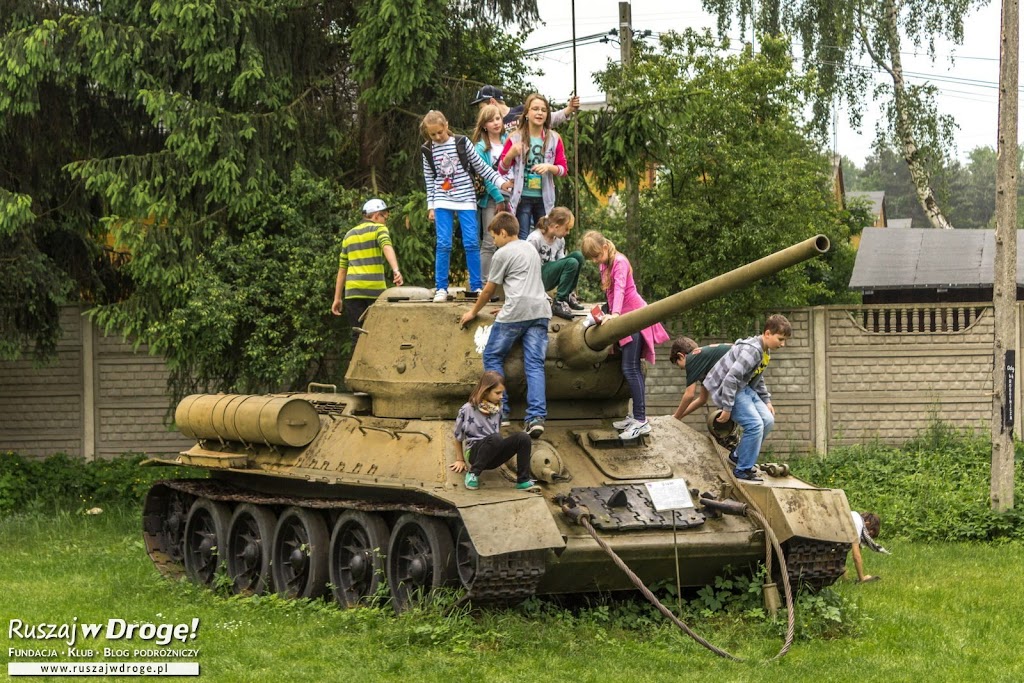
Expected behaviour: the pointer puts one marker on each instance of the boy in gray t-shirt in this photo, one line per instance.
(524, 315)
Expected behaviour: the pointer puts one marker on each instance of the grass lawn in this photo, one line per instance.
(943, 612)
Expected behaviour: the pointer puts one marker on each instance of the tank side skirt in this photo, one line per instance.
(221, 491)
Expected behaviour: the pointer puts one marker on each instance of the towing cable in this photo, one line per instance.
(582, 516)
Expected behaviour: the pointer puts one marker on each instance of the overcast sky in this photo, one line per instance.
(967, 87)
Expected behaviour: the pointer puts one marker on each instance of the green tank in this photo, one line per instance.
(350, 492)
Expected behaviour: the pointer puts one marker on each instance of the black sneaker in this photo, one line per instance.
(748, 475)
(574, 302)
(733, 459)
(535, 428)
(562, 310)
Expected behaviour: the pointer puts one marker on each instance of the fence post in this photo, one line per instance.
(819, 428)
(88, 390)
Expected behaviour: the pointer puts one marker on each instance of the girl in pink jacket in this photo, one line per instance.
(617, 282)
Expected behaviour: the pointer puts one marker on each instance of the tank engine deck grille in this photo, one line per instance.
(629, 507)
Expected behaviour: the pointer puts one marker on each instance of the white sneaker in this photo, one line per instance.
(624, 424)
(636, 430)
(440, 296)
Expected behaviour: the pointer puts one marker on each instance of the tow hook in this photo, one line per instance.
(572, 509)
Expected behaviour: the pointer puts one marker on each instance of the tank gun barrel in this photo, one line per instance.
(601, 336)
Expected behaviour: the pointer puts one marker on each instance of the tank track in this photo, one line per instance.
(511, 577)
(814, 564)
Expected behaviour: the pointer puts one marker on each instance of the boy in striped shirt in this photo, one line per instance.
(361, 264)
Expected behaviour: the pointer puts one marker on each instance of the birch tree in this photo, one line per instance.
(835, 34)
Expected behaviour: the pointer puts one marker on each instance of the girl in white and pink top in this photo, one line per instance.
(535, 154)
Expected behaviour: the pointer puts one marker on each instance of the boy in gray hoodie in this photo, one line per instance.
(736, 385)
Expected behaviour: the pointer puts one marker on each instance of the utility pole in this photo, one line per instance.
(632, 184)
(1004, 290)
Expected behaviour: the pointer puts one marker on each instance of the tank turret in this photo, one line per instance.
(415, 361)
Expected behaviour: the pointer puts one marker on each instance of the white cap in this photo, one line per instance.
(373, 206)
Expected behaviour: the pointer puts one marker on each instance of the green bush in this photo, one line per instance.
(934, 488)
(63, 482)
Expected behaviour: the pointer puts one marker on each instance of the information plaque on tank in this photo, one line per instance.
(669, 495)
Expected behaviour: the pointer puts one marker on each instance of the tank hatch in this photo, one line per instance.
(620, 459)
(628, 507)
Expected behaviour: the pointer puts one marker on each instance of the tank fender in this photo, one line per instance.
(818, 514)
(511, 526)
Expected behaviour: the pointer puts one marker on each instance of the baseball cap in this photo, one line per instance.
(488, 92)
(373, 206)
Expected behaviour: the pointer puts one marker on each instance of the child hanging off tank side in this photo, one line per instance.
(478, 441)
(558, 269)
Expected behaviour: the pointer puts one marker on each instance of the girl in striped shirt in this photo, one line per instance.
(450, 192)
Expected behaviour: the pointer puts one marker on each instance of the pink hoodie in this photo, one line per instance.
(623, 298)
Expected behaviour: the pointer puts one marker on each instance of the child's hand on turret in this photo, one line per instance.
(458, 466)
(466, 318)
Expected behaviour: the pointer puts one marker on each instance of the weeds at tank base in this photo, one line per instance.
(61, 482)
(933, 488)
(735, 601)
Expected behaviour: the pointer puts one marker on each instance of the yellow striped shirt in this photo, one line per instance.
(362, 255)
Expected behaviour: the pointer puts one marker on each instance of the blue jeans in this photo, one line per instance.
(751, 413)
(631, 354)
(534, 334)
(529, 211)
(443, 221)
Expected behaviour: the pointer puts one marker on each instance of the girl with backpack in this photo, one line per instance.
(536, 154)
(447, 164)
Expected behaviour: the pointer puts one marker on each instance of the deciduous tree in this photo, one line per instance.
(738, 174)
(834, 34)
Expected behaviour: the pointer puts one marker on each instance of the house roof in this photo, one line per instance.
(926, 258)
(875, 199)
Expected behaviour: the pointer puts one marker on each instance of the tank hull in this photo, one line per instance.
(389, 468)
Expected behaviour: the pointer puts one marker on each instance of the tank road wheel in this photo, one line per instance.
(163, 526)
(206, 534)
(300, 554)
(250, 533)
(358, 544)
(467, 561)
(420, 558)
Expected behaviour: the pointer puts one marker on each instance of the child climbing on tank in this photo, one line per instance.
(522, 318)
(736, 385)
(450, 192)
(623, 297)
(489, 138)
(558, 269)
(478, 441)
(535, 155)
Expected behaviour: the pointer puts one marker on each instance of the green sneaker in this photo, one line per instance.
(471, 481)
(526, 485)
